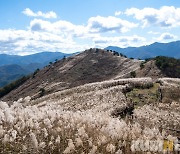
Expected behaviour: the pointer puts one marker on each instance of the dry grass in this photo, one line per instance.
(79, 120)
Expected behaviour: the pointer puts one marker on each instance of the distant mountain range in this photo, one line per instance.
(171, 49)
(41, 58)
(13, 67)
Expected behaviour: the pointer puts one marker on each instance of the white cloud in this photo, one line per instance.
(23, 42)
(27, 41)
(154, 33)
(55, 27)
(166, 37)
(95, 26)
(121, 41)
(166, 16)
(44, 35)
(29, 12)
(64, 36)
(117, 13)
(100, 24)
(61, 27)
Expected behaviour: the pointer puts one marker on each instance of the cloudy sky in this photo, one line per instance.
(33, 26)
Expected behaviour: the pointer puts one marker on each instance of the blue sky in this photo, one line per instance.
(28, 27)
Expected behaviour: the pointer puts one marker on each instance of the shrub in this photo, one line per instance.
(133, 74)
(142, 65)
(64, 57)
(8, 88)
(169, 66)
(121, 55)
(42, 92)
(35, 72)
(115, 53)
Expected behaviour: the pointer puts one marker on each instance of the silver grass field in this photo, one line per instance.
(80, 121)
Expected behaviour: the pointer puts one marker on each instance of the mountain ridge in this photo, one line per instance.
(92, 65)
(42, 57)
(171, 49)
(27, 64)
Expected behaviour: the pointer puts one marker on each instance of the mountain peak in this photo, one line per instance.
(92, 65)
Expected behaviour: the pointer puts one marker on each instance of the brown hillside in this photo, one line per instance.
(150, 70)
(89, 66)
